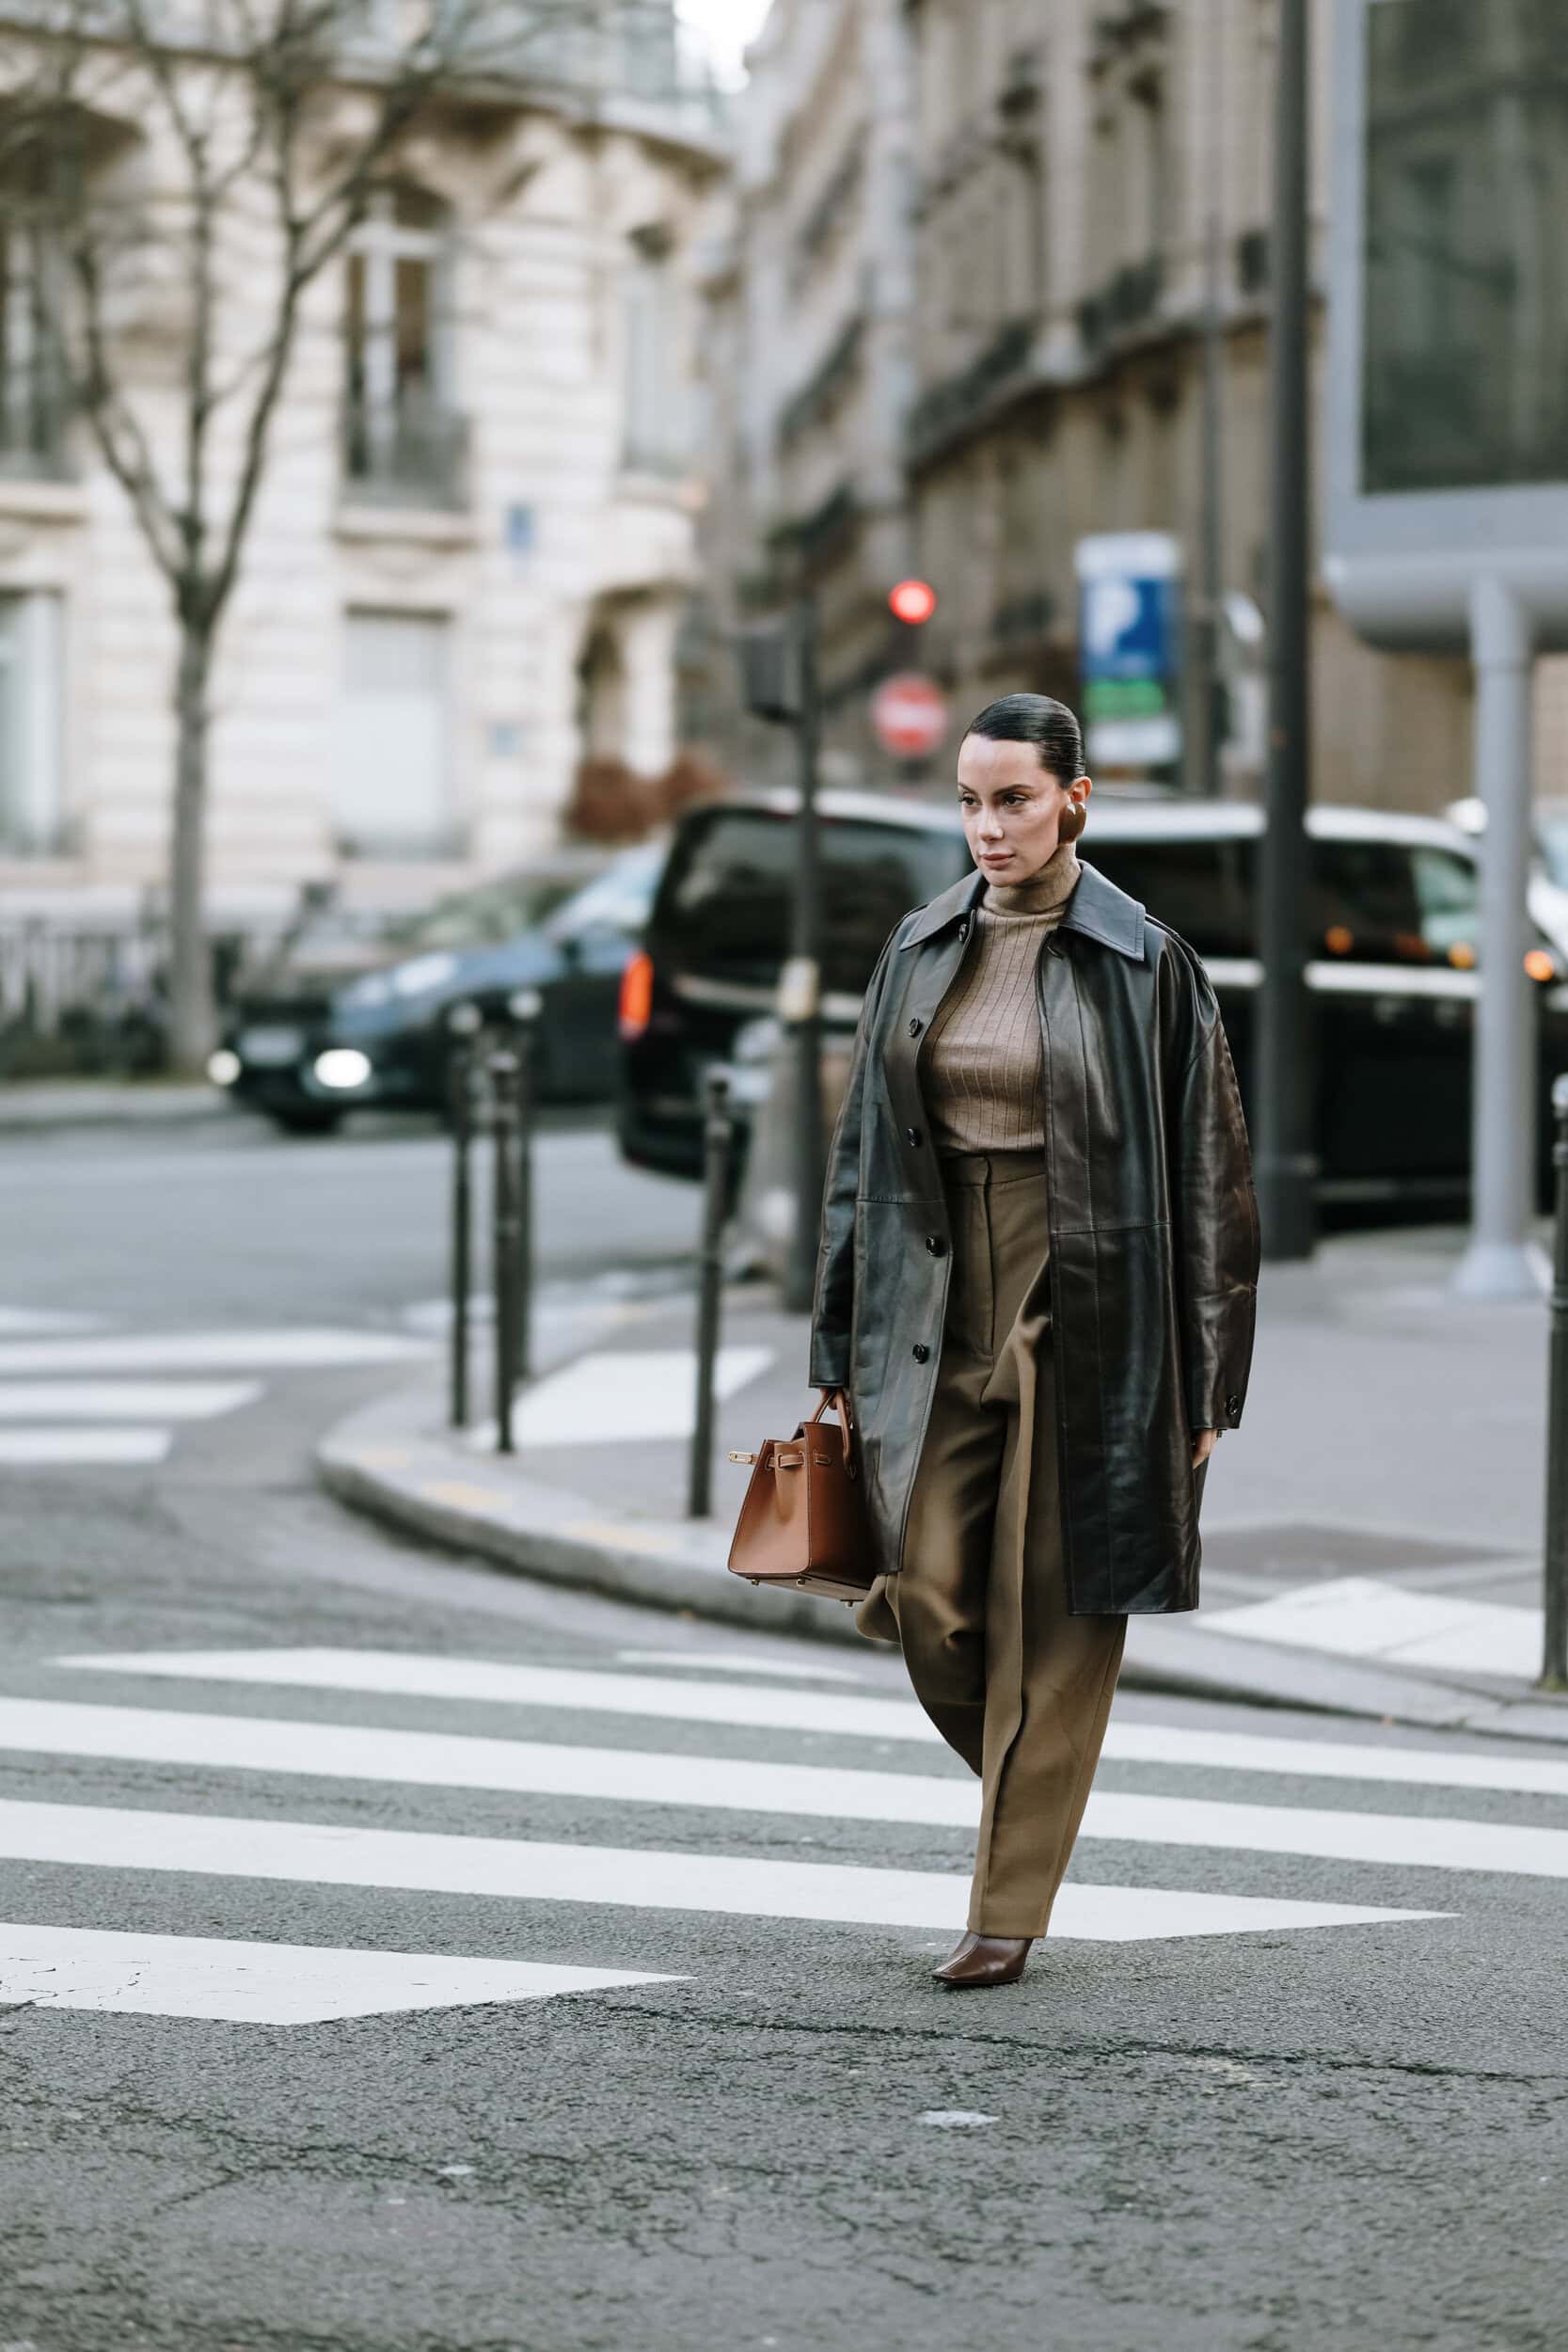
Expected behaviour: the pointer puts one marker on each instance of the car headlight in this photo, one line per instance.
(341, 1068)
(223, 1067)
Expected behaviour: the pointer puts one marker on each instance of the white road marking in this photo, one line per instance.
(635, 1395)
(84, 1448)
(328, 1855)
(208, 1351)
(123, 1400)
(622, 1775)
(17, 1322)
(577, 1689)
(706, 1661)
(408, 1674)
(263, 1984)
(1356, 1617)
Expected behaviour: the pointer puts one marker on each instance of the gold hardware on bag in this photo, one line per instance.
(743, 1458)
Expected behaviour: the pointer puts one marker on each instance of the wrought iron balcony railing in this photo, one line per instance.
(405, 454)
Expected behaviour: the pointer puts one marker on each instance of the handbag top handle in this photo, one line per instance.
(843, 1404)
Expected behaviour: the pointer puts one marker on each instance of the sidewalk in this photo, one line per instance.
(1371, 1535)
(45, 1104)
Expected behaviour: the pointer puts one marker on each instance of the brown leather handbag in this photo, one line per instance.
(803, 1524)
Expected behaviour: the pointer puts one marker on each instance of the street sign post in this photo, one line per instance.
(1130, 591)
(909, 713)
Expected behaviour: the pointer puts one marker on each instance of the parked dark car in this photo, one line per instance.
(1394, 947)
(307, 1054)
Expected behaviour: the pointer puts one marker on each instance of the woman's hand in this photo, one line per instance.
(1204, 1442)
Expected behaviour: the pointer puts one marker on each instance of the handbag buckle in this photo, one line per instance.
(743, 1458)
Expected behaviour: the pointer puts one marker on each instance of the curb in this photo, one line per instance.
(386, 1461)
(34, 1110)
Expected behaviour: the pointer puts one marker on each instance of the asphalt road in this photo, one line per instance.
(1267, 2134)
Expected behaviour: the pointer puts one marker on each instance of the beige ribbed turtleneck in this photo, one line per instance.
(981, 1066)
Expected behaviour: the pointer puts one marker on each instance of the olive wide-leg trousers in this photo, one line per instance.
(1018, 1688)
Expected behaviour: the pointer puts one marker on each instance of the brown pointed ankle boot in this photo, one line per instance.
(983, 1959)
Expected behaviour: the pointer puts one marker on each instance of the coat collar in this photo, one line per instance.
(1097, 908)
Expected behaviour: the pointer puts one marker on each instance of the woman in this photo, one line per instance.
(1036, 1289)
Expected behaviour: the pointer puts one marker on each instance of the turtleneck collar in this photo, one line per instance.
(1044, 893)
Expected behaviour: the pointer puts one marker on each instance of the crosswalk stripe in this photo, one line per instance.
(393, 1672)
(700, 1662)
(209, 1351)
(123, 1400)
(80, 1446)
(460, 1760)
(327, 1853)
(265, 1984)
(572, 1690)
(19, 1322)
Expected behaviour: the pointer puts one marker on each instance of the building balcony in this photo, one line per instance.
(1125, 303)
(946, 411)
(405, 454)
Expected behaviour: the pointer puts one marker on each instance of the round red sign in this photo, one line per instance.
(909, 714)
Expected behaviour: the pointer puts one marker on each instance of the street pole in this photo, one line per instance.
(1554, 1667)
(504, 1077)
(1501, 1260)
(718, 1156)
(464, 1026)
(1207, 715)
(801, 985)
(1283, 1043)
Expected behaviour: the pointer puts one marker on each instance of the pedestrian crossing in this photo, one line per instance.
(75, 1395)
(671, 1832)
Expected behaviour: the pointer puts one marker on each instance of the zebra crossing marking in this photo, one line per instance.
(593, 1691)
(123, 1400)
(239, 1982)
(332, 1854)
(82, 1447)
(463, 1760)
(282, 1350)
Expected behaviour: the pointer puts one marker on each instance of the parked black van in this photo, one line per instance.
(1393, 944)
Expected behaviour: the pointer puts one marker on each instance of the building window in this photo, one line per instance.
(404, 441)
(32, 413)
(658, 426)
(392, 791)
(32, 810)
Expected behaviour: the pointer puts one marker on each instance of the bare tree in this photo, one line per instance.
(207, 161)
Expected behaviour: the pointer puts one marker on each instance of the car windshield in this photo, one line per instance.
(496, 911)
(728, 890)
(1554, 845)
(615, 900)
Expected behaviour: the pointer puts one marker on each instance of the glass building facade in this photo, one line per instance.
(1465, 331)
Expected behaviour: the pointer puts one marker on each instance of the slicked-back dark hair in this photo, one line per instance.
(1036, 719)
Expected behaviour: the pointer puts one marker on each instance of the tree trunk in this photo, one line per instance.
(191, 1014)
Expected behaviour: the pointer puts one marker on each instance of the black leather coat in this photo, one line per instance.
(1153, 1237)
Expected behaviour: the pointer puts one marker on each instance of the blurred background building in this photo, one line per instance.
(472, 549)
(983, 265)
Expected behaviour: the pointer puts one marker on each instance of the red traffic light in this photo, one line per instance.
(913, 600)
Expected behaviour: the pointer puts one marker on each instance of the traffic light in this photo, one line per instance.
(912, 601)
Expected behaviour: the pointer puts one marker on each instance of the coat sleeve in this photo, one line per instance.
(1213, 1206)
(832, 1310)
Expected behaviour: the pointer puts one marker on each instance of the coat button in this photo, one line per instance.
(935, 1244)
(1232, 1405)
(920, 1352)
(912, 1135)
(915, 1027)
(963, 928)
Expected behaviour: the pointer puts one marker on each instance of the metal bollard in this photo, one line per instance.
(718, 1150)
(464, 1023)
(1554, 1668)
(525, 1007)
(504, 1075)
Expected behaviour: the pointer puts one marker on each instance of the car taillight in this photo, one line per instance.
(637, 993)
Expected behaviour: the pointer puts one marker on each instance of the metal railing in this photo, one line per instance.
(405, 453)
